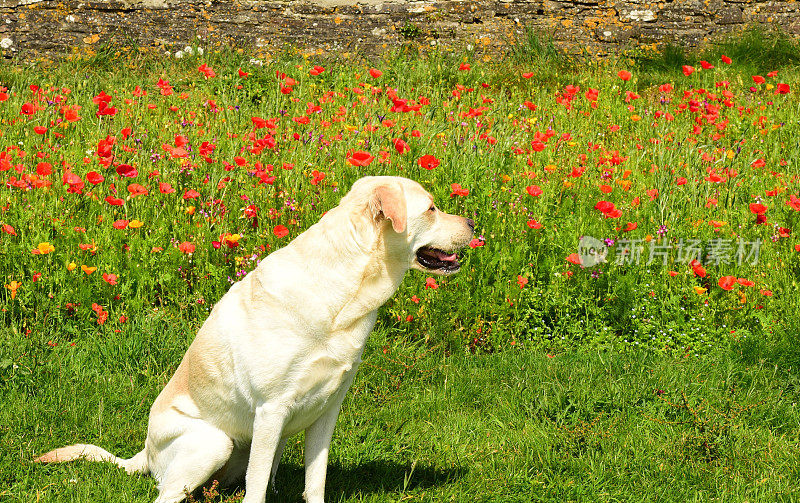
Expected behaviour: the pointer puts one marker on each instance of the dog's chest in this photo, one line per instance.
(322, 384)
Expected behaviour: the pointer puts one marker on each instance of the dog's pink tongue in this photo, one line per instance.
(445, 257)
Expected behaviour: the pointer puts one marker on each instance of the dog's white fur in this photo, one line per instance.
(280, 349)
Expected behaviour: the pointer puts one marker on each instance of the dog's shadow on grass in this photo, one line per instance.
(365, 478)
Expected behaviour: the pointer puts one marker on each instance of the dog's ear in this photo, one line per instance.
(390, 202)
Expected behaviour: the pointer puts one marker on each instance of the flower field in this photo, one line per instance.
(131, 191)
(623, 327)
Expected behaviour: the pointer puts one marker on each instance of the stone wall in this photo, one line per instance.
(34, 27)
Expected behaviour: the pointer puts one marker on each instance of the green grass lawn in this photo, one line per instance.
(135, 189)
(424, 425)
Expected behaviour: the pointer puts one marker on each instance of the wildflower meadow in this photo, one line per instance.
(624, 327)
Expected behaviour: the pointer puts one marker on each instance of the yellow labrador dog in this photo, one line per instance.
(280, 349)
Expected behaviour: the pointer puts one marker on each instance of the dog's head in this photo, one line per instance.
(413, 227)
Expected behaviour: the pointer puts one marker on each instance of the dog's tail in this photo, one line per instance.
(136, 464)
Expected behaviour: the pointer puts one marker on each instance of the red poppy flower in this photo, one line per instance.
(94, 177)
(316, 177)
(706, 65)
(360, 158)
(574, 258)
(604, 206)
(186, 247)
(280, 231)
(745, 282)
(127, 170)
(522, 281)
(698, 269)
(687, 70)
(375, 73)
(191, 194)
(758, 208)
(401, 146)
(428, 162)
(782, 89)
(44, 169)
(533, 224)
(431, 283)
(120, 224)
(165, 188)
(534, 190)
(725, 59)
(207, 71)
(111, 279)
(114, 201)
(727, 282)
(458, 190)
(624, 75)
(793, 202)
(758, 79)
(43, 129)
(137, 190)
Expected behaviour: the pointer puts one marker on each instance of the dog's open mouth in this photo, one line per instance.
(436, 259)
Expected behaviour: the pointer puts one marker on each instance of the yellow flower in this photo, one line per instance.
(45, 248)
(232, 238)
(699, 290)
(635, 118)
(13, 286)
(71, 266)
(87, 269)
(135, 224)
(189, 211)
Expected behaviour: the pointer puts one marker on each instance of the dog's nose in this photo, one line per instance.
(471, 223)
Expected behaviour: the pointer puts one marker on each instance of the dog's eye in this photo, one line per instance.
(432, 208)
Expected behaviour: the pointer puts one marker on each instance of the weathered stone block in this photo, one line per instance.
(32, 26)
(729, 15)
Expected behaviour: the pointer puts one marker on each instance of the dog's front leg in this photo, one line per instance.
(267, 429)
(318, 441)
